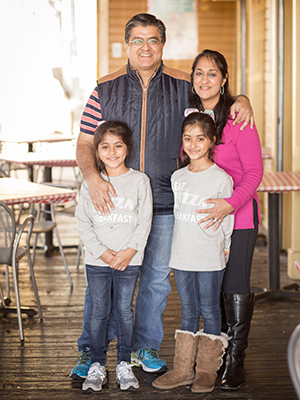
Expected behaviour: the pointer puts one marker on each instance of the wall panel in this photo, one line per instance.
(120, 11)
(217, 30)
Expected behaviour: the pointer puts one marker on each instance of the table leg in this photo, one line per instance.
(48, 235)
(273, 241)
(30, 168)
(274, 255)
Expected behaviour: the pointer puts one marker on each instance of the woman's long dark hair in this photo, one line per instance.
(116, 128)
(221, 110)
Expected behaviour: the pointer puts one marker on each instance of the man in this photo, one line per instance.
(151, 99)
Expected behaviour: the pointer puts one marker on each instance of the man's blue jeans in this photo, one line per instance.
(199, 292)
(154, 285)
(153, 290)
(106, 283)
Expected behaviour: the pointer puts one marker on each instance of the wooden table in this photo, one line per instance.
(65, 158)
(48, 160)
(33, 138)
(30, 139)
(275, 183)
(15, 191)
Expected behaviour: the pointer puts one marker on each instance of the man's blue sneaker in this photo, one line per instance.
(81, 369)
(149, 360)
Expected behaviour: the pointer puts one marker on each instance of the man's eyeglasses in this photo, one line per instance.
(141, 42)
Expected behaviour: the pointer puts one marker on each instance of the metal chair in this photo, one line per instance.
(45, 222)
(293, 356)
(10, 254)
(3, 173)
(69, 209)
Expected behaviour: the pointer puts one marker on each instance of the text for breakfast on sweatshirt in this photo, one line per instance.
(118, 215)
(189, 202)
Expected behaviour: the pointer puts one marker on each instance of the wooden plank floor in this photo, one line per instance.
(39, 369)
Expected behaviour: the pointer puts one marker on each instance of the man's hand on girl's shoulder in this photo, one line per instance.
(99, 190)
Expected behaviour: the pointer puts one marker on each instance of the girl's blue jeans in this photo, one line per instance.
(153, 290)
(107, 285)
(199, 292)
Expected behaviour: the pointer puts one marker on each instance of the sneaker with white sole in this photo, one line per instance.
(125, 377)
(81, 369)
(149, 360)
(96, 378)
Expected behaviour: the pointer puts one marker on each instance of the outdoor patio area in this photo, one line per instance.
(39, 369)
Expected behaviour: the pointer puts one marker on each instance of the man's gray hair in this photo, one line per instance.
(145, 19)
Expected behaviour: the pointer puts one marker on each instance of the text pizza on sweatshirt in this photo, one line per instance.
(128, 224)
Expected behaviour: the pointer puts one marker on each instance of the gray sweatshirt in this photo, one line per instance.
(127, 226)
(193, 248)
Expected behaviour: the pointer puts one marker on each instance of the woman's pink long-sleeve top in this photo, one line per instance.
(240, 156)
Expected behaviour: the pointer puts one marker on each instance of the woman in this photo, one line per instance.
(239, 154)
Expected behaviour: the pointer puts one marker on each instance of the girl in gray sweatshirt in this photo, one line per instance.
(198, 257)
(114, 248)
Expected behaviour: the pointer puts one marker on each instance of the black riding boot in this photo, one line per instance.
(239, 311)
(224, 330)
(224, 327)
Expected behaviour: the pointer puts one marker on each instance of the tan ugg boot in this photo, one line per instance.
(184, 361)
(209, 359)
